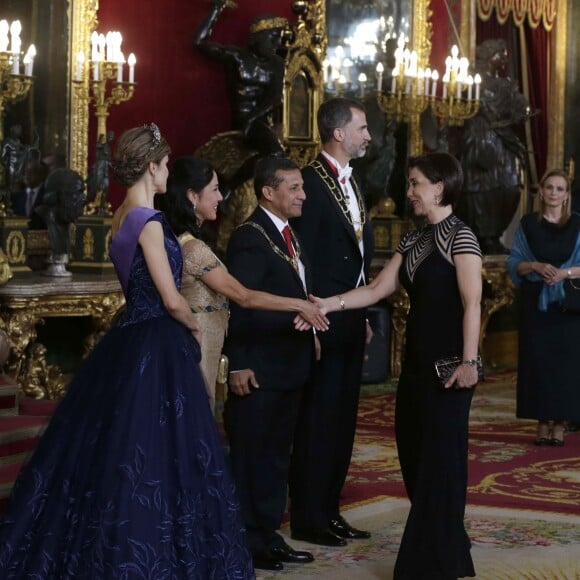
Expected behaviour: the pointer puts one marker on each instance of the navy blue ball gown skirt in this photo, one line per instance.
(129, 480)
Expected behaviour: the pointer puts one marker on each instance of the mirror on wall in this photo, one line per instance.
(362, 37)
(44, 112)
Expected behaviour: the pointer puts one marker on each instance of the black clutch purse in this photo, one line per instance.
(445, 367)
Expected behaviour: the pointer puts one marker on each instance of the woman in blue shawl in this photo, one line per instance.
(544, 257)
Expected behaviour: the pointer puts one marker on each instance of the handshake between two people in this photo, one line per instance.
(312, 315)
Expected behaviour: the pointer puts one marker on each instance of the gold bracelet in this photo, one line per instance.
(341, 302)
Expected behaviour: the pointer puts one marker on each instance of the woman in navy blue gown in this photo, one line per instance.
(129, 479)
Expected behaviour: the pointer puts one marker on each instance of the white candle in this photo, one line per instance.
(132, 61)
(469, 87)
(102, 44)
(362, 79)
(394, 80)
(380, 68)
(15, 43)
(80, 66)
(347, 63)
(15, 64)
(29, 67)
(4, 28)
(477, 81)
(120, 71)
(427, 80)
(109, 46)
(459, 87)
(118, 42)
(94, 45)
(434, 78)
(448, 64)
(96, 64)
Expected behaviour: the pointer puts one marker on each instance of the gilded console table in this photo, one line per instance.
(498, 291)
(29, 299)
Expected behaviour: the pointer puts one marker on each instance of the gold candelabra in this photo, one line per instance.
(413, 89)
(106, 85)
(14, 86)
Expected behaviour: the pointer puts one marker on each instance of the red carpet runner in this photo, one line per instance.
(505, 468)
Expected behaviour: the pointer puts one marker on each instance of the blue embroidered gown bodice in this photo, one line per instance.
(129, 480)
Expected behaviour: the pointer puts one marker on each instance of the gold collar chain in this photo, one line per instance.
(293, 261)
(339, 194)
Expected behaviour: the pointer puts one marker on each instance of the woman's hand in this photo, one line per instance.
(559, 275)
(196, 331)
(550, 274)
(464, 377)
(311, 315)
(323, 303)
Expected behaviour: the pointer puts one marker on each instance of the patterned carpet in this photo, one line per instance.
(523, 511)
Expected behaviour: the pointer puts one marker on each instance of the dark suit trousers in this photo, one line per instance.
(326, 424)
(260, 429)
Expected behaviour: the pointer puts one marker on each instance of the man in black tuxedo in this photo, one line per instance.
(337, 239)
(270, 360)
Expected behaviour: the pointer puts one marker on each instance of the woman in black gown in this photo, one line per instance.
(129, 480)
(544, 257)
(439, 266)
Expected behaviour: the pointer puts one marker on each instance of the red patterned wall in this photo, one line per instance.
(177, 87)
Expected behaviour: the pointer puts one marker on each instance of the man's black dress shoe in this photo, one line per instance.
(321, 537)
(285, 553)
(541, 441)
(343, 529)
(266, 561)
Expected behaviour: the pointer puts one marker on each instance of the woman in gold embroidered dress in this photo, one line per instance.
(193, 196)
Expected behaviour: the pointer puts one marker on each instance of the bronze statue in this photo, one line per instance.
(98, 179)
(11, 157)
(62, 204)
(493, 157)
(255, 76)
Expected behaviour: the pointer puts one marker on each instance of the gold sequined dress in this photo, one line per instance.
(211, 308)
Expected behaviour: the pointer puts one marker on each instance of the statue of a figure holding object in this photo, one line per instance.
(494, 158)
(98, 179)
(255, 77)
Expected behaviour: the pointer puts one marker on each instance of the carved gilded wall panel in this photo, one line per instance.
(83, 20)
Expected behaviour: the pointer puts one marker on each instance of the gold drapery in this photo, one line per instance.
(535, 11)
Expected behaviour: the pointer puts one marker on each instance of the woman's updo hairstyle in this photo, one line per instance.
(135, 149)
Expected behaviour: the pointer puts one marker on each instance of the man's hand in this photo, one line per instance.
(310, 316)
(242, 382)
